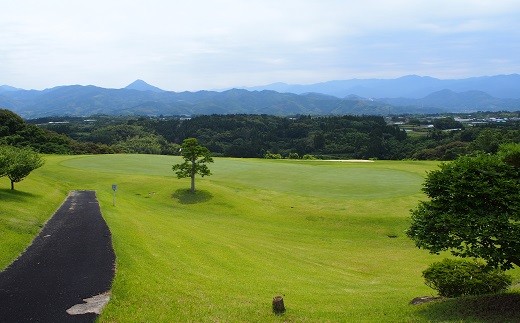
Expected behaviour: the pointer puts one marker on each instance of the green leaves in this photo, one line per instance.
(473, 211)
(510, 153)
(457, 277)
(17, 163)
(195, 159)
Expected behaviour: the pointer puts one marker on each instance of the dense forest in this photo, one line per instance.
(14, 131)
(289, 137)
(260, 136)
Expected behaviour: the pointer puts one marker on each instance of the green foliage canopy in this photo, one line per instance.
(18, 163)
(14, 131)
(459, 277)
(447, 123)
(325, 137)
(195, 159)
(10, 122)
(510, 153)
(473, 211)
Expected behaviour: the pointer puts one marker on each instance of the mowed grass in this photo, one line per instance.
(328, 236)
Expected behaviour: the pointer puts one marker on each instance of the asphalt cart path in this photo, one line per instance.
(66, 273)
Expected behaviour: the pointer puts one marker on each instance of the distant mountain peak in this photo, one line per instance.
(141, 85)
(7, 88)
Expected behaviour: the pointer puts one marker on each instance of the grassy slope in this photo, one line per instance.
(23, 212)
(315, 232)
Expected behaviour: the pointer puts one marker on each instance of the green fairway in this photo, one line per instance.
(328, 236)
(303, 178)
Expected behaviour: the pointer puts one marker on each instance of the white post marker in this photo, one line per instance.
(114, 188)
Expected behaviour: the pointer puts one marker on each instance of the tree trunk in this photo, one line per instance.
(193, 173)
(193, 183)
(278, 305)
(12, 185)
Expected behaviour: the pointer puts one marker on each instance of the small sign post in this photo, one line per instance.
(114, 188)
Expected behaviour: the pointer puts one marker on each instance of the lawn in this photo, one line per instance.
(328, 236)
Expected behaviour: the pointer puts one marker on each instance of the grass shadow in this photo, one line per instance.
(489, 308)
(14, 195)
(186, 197)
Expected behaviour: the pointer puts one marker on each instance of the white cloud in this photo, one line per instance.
(209, 44)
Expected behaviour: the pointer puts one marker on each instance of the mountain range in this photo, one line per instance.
(409, 94)
(410, 86)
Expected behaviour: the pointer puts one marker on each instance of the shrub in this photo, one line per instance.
(510, 154)
(308, 157)
(458, 277)
(294, 156)
(269, 155)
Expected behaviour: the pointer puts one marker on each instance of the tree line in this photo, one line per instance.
(258, 136)
(16, 132)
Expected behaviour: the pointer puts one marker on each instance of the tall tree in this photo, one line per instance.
(195, 159)
(18, 163)
(474, 209)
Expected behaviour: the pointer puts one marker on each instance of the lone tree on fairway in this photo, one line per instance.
(195, 159)
(18, 163)
(474, 209)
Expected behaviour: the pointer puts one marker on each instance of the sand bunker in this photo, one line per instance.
(349, 160)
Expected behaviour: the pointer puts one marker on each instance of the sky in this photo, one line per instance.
(216, 44)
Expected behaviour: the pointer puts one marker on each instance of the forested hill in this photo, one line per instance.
(329, 137)
(142, 99)
(256, 135)
(14, 131)
(241, 135)
(89, 100)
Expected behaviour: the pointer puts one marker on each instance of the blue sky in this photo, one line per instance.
(204, 44)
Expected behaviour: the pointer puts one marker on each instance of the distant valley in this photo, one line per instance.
(409, 94)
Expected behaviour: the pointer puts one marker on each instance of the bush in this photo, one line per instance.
(294, 156)
(458, 277)
(269, 155)
(510, 153)
(308, 157)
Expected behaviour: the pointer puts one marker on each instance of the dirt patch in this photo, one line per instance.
(425, 299)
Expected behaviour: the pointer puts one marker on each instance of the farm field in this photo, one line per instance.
(328, 236)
